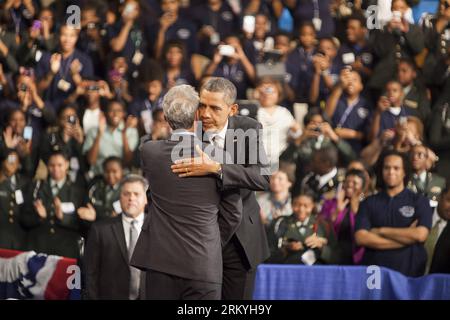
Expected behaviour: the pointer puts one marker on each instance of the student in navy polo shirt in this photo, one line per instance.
(349, 110)
(355, 51)
(59, 73)
(143, 106)
(172, 26)
(394, 224)
(299, 63)
(235, 67)
(215, 20)
(317, 11)
(389, 110)
(127, 36)
(326, 70)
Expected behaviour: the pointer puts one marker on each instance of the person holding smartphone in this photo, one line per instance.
(398, 39)
(67, 137)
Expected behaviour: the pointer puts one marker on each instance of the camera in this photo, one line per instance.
(91, 25)
(23, 87)
(317, 129)
(93, 87)
(72, 120)
(226, 50)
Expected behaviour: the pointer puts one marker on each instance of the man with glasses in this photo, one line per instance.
(427, 183)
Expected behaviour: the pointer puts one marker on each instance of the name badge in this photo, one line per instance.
(63, 85)
(74, 164)
(19, 196)
(117, 207)
(348, 58)
(38, 55)
(137, 58)
(317, 22)
(309, 258)
(68, 207)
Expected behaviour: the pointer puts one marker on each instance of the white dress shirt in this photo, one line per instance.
(218, 138)
(323, 180)
(126, 222)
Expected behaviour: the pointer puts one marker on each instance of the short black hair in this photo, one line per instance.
(56, 153)
(112, 159)
(304, 24)
(406, 167)
(329, 154)
(358, 17)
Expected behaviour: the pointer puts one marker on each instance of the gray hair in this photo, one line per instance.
(179, 105)
(133, 178)
(223, 85)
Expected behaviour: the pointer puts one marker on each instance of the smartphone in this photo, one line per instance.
(249, 24)
(226, 50)
(72, 120)
(28, 133)
(129, 8)
(37, 25)
(396, 15)
(348, 58)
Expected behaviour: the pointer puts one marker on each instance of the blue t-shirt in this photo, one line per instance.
(400, 211)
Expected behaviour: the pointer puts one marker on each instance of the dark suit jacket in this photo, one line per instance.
(250, 176)
(441, 256)
(107, 271)
(181, 236)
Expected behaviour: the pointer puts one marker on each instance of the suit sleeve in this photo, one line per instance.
(92, 254)
(230, 214)
(248, 176)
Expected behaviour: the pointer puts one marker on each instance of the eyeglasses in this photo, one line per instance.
(420, 155)
(445, 4)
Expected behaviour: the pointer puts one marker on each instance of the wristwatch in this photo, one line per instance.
(219, 172)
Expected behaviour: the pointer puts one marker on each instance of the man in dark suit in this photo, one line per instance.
(248, 169)
(111, 243)
(181, 243)
(441, 255)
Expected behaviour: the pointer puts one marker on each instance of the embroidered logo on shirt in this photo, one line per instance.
(407, 211)
(227, 16)
(183, 34)
(366, 58)
(362, 113)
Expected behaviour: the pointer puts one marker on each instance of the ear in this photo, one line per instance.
(234, 109)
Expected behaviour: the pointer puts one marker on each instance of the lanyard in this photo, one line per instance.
(17, 21)
(228, 71)
(347, 112)
(66, 67)
(136, 38)
(316, 8)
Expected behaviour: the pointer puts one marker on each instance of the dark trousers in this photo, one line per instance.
(238, 277)
(163, 286)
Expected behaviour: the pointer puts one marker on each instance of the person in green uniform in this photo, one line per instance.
(14, 198)
(423, 181)
(55, 223)
(301, 238)
(104, 195)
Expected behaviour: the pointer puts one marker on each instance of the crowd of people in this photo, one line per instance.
(360, 115)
